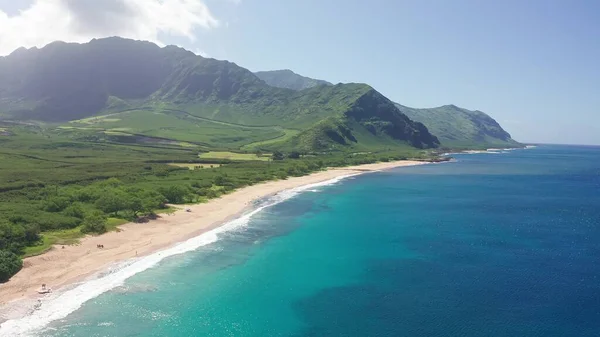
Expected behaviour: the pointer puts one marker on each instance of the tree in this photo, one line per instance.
(112, 201)
(111, 182)
(32, 233)
(140, 200)
(56, 204)
(12, 236)
(135, 204)
(175, 193)
(277, 155)
(220, 180)
(94, 222)
(291, 170)
(152, 200)
(294, 155)
(75, 210)
(10, 264)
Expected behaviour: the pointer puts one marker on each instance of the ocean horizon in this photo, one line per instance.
(503, 243)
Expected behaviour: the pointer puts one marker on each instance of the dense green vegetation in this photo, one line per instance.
(288, 79)
(57, 185)
(10, 264)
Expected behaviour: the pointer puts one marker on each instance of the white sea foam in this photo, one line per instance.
(106, 324)
(505, 149)
(61, 304)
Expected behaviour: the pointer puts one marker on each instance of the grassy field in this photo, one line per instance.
(195, 165)
(234, 156)
(65, 237)
(50, 238)
(178, 126)
(46, 156)
(288, 134)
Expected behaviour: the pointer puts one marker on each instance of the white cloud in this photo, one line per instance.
(81, 20)
(201, 53)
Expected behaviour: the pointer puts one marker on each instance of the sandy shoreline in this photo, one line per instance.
(60, 267)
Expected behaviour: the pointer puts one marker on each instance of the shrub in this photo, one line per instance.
(12, 237)
(94, 222)
(277, 155)
(220, 180)
(212, 194)
(10, 264)
(56, 204)
(75, 210)
(175, 194)
(294, 155)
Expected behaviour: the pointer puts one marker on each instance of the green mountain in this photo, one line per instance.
(458, 127)
(288, 79)
(454, 126)
(116, 87)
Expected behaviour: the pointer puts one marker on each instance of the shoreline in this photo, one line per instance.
(489, 151)
(65, 268)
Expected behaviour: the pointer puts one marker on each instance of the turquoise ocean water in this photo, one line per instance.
(503, 244)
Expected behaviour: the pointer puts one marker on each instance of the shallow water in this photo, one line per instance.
(501, 244)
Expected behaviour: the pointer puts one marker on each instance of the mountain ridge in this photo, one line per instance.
(454, 126)
(459, 127)
(286, 78)
(70, 83)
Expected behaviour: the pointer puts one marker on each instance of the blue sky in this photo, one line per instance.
(532, 65)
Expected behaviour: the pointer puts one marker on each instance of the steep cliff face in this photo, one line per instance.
(379, 115)
(371, 121)
(460, 127)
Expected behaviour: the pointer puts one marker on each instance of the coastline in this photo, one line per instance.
(63, 268)
(490, 150)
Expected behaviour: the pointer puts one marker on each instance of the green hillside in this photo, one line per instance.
(454, 126)
(288, 79)
(458, 127)
(118, 87)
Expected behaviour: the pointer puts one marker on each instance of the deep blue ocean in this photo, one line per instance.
(504, 244)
